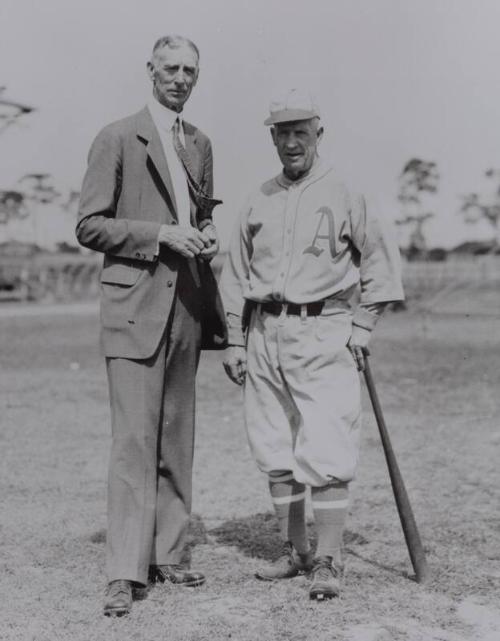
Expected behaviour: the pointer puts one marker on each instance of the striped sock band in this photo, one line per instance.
(330, 504)
(288, 498)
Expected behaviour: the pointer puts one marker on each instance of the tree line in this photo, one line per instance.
(420, 179)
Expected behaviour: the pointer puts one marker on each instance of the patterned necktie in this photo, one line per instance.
(201, 199)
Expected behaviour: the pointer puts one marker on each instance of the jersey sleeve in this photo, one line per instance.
(234, 276)
(379, 258)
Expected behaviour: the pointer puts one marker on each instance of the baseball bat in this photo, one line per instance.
(412, 536)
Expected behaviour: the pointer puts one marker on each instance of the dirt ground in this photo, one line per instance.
(438, 380)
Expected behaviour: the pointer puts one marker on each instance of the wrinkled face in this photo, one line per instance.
(297, 144)
(174, 73)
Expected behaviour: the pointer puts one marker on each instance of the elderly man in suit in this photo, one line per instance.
(146, 203)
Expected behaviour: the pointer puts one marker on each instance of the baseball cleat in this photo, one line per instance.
(326, 579)
(289, 564)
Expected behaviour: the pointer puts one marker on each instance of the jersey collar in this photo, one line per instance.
(319, 169)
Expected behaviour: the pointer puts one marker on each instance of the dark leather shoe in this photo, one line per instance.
(288, 564)
(118, 598)
(176, 574)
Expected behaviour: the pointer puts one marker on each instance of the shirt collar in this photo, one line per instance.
(163, 118)
(318, 169)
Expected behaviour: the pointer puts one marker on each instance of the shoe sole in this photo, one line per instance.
(186, 584)
(192, 584)
(321, 595)
(116, 612)
(266, 578)
(262, 577)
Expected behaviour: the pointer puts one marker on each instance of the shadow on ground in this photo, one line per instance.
(258, 535)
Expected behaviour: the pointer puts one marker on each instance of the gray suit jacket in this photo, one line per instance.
(126, 195)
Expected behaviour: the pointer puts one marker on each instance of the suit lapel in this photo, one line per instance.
(147, 131)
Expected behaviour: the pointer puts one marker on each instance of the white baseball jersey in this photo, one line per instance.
(305, 241)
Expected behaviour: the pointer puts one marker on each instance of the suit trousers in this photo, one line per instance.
(152, 418)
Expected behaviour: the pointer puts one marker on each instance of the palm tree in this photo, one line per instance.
(418, 177)
(39, 188)
(474, 209)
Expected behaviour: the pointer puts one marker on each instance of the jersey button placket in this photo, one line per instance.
(291, 208)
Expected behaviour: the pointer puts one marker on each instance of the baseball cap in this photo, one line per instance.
(295, 104)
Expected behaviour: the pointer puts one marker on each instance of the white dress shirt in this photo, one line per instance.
(164, 120)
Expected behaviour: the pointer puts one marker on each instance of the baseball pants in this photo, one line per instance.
(302, 395)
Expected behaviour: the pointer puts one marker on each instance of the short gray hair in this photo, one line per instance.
(173, 41)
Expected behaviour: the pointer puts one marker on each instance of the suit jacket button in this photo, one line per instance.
(169, 283)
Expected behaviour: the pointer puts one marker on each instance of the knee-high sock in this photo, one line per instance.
(288, 498)
(330, 504)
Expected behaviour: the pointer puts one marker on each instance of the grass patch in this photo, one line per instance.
(438, 380)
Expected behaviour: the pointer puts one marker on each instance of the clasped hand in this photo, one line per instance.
(189, 241)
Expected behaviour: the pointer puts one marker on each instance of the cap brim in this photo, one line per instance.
(290, 115)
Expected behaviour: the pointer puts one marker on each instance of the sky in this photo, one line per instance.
(395, 79)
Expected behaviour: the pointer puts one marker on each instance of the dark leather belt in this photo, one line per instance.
(292, 309)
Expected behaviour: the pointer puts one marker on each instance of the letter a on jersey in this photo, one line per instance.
(326, 214)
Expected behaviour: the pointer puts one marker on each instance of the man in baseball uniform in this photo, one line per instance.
(303, 245)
